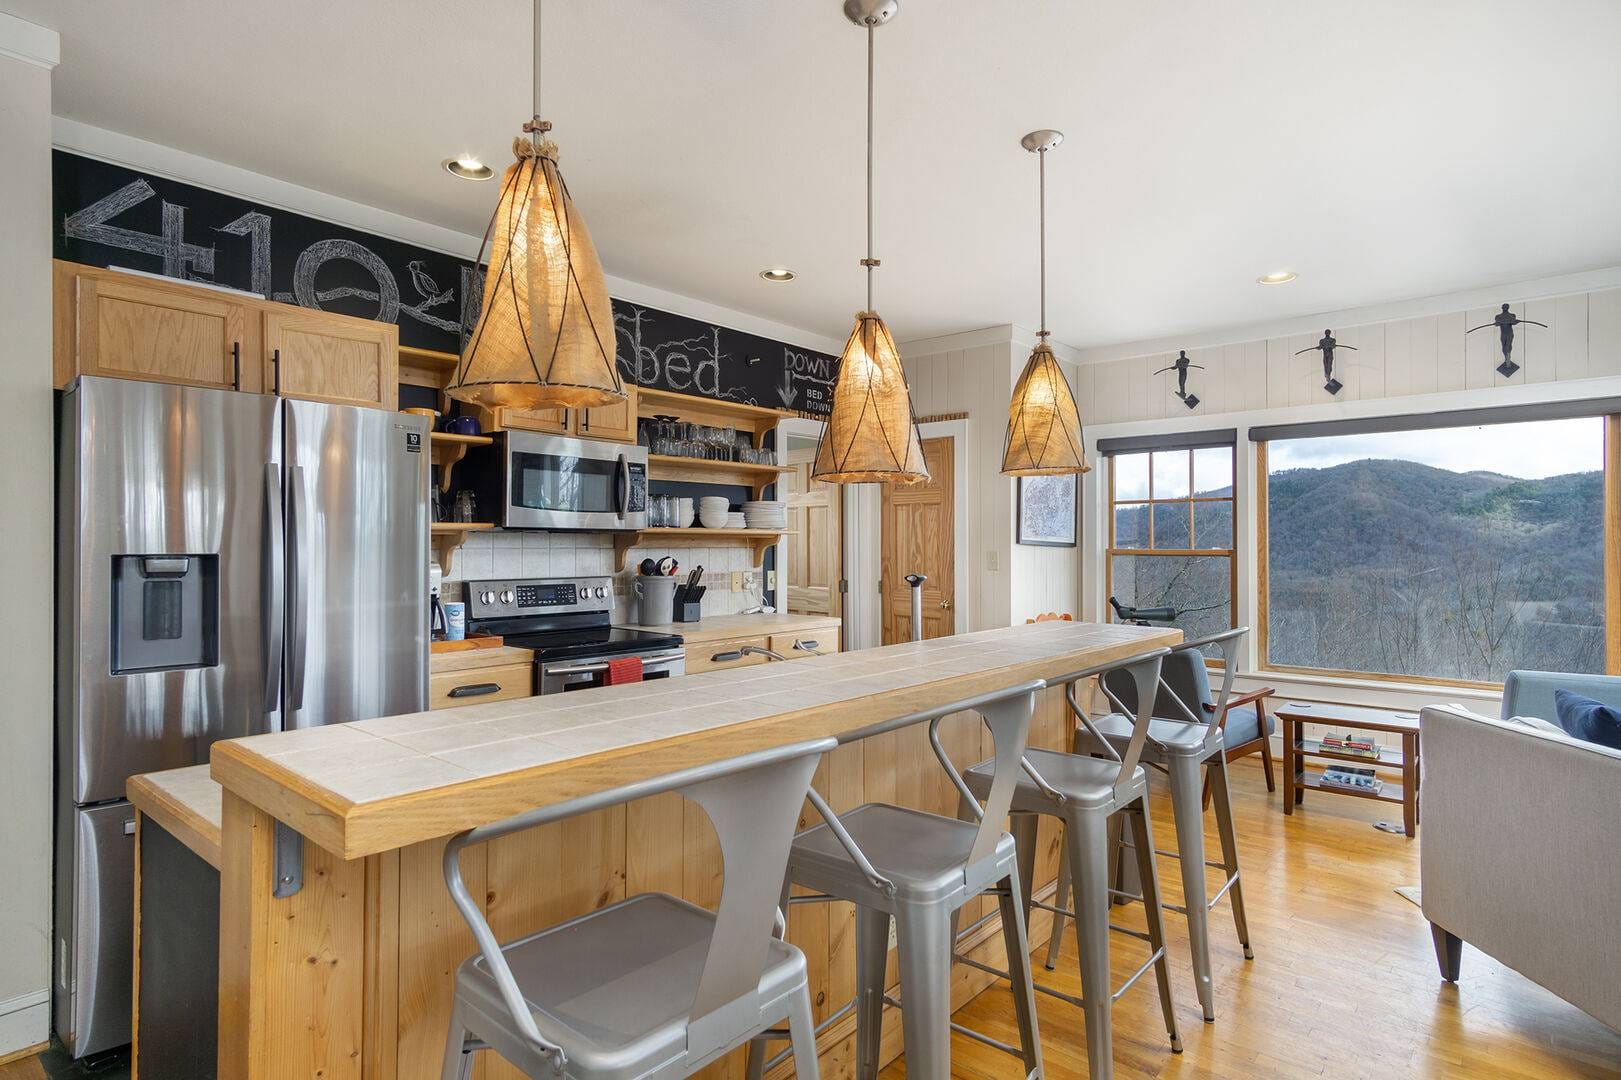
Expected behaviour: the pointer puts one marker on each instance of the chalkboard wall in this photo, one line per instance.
(111, 216)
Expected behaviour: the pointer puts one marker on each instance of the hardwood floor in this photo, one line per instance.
(1343, 984)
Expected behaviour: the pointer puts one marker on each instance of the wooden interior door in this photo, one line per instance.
(814, 551)
(332, 358)
(919, 538)
(136, 328)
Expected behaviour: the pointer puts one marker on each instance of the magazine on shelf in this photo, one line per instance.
(1356, 745)
(1364, 780)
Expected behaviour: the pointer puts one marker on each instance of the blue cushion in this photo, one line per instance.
(1242, 727)
(1584, 718)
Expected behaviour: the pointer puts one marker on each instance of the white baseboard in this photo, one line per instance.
(25, 1021)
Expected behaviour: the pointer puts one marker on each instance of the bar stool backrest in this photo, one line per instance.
(754, 802)
(1184, 682)
(1141, 673)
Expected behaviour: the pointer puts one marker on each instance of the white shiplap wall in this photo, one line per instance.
(1427, 354)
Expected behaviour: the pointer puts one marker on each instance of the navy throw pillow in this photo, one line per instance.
(1584, 718)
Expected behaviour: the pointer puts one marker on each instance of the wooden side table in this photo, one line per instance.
(1294, 714)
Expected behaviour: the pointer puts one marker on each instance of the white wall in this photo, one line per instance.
(27, 54)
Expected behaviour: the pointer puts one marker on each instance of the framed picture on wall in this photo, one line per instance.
(1047, 511)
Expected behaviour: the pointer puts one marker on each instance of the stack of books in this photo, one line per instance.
(1350, 779)
(1358, 745)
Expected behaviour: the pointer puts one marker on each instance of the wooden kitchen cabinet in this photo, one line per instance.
(129, 327)
(333, 358)
(719, 655)
(612, 423)
(806, 643)
(477, 686)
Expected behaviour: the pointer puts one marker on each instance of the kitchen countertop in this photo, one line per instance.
(186, 802)
(717, 627)
(375, 785)
(474, 659)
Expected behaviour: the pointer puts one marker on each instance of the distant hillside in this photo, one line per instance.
(1379, 513)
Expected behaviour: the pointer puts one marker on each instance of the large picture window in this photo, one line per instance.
(1456, 553)
(1171, 534)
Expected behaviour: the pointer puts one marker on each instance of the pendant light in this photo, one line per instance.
(1043, 427)
(545, 335)
(871, 435)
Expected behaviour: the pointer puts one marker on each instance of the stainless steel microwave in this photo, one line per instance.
(552, 482)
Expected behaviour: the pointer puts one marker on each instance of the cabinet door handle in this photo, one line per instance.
(476, 689)
(808, 645)
(236, 365)
(726, 657)
(275, 372)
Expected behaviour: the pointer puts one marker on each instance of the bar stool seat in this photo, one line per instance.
(924, 855)
(617, 985)
(1084, 781)
(1165, 736)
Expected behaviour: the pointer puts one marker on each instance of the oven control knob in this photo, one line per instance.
(599, 592)
(507, 596)
(486, 597)
(585, 591)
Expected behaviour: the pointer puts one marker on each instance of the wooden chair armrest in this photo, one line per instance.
(1254, 697)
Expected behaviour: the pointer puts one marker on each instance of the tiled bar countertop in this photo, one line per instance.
(368, 787)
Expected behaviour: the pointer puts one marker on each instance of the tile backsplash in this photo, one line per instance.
(530, 553)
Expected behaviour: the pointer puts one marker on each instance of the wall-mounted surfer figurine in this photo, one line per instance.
(1181, 365)
(1326, 346)
(1505, 322)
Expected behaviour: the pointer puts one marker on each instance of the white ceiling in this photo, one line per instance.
(1384, 149)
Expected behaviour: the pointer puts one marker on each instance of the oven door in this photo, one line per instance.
(560, 483)
(562, 676)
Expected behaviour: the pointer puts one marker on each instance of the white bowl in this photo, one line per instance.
(714, 501)
(685, 512)
(711, 520)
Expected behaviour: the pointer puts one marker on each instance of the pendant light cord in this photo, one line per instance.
(1041, 158)
(536, 127)
(869, 262)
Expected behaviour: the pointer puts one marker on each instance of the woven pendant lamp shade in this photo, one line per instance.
(1044, 427)
(545, 337)
(871, 435)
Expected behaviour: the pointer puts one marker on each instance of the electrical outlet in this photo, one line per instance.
(771, 580)
(990, 559)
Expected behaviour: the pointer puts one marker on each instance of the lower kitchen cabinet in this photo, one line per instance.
(474, 686)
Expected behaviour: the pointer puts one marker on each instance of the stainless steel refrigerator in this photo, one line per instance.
(227, 564)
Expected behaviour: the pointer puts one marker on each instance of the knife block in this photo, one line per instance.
(687, 609)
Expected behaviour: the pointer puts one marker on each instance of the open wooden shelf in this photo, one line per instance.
(447, 536)
(449, 449)
(665, 401)
(757, 539)
(703, 471)
(1391, 792)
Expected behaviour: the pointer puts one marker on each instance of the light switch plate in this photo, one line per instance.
(990, 560)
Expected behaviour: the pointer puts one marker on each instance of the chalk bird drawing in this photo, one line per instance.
(1181, 365)
(1326, 345)
(1505, 322)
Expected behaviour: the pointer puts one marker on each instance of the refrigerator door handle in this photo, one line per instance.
(298, 564)
(272, 587)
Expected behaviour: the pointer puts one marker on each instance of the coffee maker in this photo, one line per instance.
(436, 610)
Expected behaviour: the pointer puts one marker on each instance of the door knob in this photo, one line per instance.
(945, 605)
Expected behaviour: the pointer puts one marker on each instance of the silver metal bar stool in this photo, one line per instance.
(920, 869)
(651, 986)
(1187, 747)
(1090, 796)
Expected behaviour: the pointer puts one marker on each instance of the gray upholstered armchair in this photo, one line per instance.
(1519, 842)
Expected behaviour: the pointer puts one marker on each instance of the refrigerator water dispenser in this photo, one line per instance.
(165, 612)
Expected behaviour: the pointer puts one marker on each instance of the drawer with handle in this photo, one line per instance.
(449, 689)
(806, 643)
(717, 655)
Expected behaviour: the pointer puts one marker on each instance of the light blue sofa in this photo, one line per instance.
(1518, 843)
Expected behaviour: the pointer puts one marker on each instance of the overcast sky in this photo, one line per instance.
(1543, 448)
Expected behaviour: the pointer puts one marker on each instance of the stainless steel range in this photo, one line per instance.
(568, 622)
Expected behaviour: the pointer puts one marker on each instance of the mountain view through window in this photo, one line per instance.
(1458, 553)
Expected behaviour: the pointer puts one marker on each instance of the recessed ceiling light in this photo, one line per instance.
(778, 273)
(1281, 277)
(468, 168)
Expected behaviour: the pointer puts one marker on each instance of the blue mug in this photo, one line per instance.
(462, 425)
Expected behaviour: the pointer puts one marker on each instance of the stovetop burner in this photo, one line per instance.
(591, 642)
